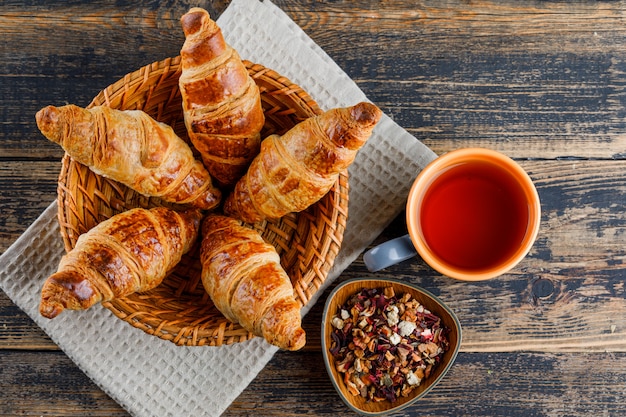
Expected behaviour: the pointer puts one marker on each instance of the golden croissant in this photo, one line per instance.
(297, 169)
(243, 276)
(130, 252)
(132, 148)
(221, 102)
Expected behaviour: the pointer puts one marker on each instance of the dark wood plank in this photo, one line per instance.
(531, 79)
(48, 383)
(69, 52)
(512, 384)
(539, 79)
(478, 384)
(26, 190)
(18, 331)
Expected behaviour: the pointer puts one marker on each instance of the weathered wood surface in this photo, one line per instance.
(543, 82)
(479, 384)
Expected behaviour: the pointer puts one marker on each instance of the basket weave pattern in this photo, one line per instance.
(179, 310)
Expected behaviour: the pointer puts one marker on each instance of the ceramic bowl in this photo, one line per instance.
(357, 403)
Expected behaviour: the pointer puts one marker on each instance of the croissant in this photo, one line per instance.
(243, 276)
(132, 148)
(130, 252)
(221, 102)
(297, 169)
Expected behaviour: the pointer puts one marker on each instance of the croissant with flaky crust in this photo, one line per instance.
(297, 169)
(130, 252)
(132, 148)
(243, 276)
(221, 102)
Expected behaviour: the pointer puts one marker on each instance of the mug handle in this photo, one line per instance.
(389, 253)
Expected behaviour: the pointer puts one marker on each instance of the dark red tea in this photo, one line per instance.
(474, 215)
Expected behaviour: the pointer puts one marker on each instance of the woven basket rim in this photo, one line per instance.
(308, 242)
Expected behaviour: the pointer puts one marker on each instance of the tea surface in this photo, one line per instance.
(474, 215)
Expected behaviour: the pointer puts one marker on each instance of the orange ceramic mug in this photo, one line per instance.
(472, 214)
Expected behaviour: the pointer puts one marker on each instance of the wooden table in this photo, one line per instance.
(543, 82)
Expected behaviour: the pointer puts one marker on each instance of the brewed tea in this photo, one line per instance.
(474, 215)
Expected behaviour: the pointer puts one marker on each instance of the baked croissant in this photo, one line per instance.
(221, 102)
(132, 148)
(297, 169)
(243, 276)
(130, 252)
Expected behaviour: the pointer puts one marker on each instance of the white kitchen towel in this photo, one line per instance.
(152, 377)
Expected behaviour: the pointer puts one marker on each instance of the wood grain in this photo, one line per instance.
(26, 189)
(479, 384)
(518, 384)
(18, 331)
(533, 80)
(527, 81)
(48, 383)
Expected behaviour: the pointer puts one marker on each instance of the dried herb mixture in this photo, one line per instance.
(386, 345)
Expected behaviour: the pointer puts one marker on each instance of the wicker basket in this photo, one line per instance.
(179, 310)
